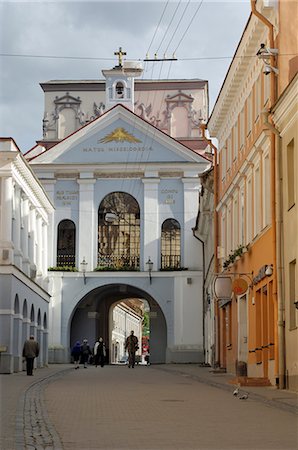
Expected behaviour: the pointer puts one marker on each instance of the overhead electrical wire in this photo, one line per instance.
(175, 31)
(166, 32)
(189, 25)
(157, 27)
(196, 58)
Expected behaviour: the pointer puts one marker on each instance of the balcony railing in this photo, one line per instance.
(170, 262)
(66, 260)
(111, 262)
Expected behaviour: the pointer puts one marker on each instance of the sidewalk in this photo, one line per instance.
(24, 395)
(277, 398)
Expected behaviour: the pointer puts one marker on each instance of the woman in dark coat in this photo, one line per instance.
(85, 353)
(76, 353)
(101, 352)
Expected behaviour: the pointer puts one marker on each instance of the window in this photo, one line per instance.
(229, 153)
(257, 201)
(249, 114)
(170, 244)
(291, 174)
(229, 229)
(235, 141)
(223, 235)
(119, 232)
(266, 191)
(223, 162)
(235, 223)
(258, 98)
(292, 294)
(266, 79)
(242, 128)
(241, 219)
(66, 244)
(249, 211)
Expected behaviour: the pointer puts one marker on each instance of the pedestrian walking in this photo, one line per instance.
(131, 345)
(76, 354)
(85, 353)
(30, 352)
(100, 352)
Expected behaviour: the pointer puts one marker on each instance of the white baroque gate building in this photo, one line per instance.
(124, 193)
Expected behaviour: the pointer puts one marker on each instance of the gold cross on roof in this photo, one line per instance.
(120, 54)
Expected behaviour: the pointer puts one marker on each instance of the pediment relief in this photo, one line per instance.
(179, 97)
(67, 100)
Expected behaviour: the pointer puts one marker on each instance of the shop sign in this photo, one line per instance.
(239, 286)
(223, 287)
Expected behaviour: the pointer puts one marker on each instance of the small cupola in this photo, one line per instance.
(120, 81)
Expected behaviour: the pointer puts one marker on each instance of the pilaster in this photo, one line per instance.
(86, 232)
(191, 205)
(151, 222)
(16, 234)
(6, 245)
(25, 234)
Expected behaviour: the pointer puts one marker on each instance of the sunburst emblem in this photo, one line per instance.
(119, 135)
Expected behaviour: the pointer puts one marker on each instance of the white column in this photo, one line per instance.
(44, 247)
(151, 223)
(32, 239)
(192, 253)
(25, 235)
(17, 228)
(49, 186)
(6, 245)
(86, 223)
(39, 245)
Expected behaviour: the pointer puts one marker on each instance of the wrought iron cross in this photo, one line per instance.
(120, 54)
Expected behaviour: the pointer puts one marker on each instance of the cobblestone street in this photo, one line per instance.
(146, 408)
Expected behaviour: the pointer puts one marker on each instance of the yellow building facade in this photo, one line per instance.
(250, 327)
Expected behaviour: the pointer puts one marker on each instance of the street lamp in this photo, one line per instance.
(149, 263)
(83, 265)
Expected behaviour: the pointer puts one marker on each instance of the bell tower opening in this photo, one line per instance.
(120, 81)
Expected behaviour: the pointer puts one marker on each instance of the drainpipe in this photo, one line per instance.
(215, 224)
(274, 185)
(203, 284)
(279, 255)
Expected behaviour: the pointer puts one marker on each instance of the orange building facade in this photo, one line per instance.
(250, 327)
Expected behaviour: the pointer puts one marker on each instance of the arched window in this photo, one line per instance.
(119, 232)
(119, 90)
(25, 310)
(66, 244)
(170, 245)
(45, 321)
(39, 318)
(16, 305)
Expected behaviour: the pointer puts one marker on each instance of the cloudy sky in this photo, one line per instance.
(41, 41)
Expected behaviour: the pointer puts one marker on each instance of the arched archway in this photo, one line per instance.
(90, 319)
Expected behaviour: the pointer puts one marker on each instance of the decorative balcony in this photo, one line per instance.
(170, 262)
(117, 263)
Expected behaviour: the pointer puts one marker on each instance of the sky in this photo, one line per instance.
(42, 41)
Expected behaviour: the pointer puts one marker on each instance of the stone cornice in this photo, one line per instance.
(243, 59)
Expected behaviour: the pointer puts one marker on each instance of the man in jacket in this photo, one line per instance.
(131, 345)
(30, 352)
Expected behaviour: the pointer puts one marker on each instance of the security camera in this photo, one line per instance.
(265, 53)
(268, 69)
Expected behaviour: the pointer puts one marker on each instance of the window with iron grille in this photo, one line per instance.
(66, 244)
(170, 245)
(119, 232)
